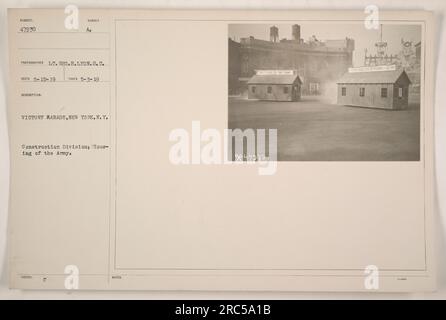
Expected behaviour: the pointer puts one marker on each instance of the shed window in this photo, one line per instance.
(253, 89)
(400, 92)
(361, 92)
(285, 89)
(314, 87)
(269, 89)
(383, 92)
(343, 91)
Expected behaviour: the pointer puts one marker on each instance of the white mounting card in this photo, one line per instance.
(221, 150)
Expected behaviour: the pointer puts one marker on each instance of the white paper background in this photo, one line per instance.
(439, 8)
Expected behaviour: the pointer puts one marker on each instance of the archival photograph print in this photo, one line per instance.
(334, 92)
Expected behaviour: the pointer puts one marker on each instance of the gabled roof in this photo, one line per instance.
(275, 79)
(388, 76)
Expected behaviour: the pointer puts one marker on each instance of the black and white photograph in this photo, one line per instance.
(334, 91)
(226, 157)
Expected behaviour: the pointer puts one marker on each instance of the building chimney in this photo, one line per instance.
(295, 30)
(274, 34)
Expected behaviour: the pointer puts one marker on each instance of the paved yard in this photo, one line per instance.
(315, 130)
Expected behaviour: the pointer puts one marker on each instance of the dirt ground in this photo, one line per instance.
(316, 130)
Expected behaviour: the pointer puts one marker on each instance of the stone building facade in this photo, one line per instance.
(319, 63)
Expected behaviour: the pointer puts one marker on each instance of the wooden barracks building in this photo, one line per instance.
(275, 85)
(385, 88)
